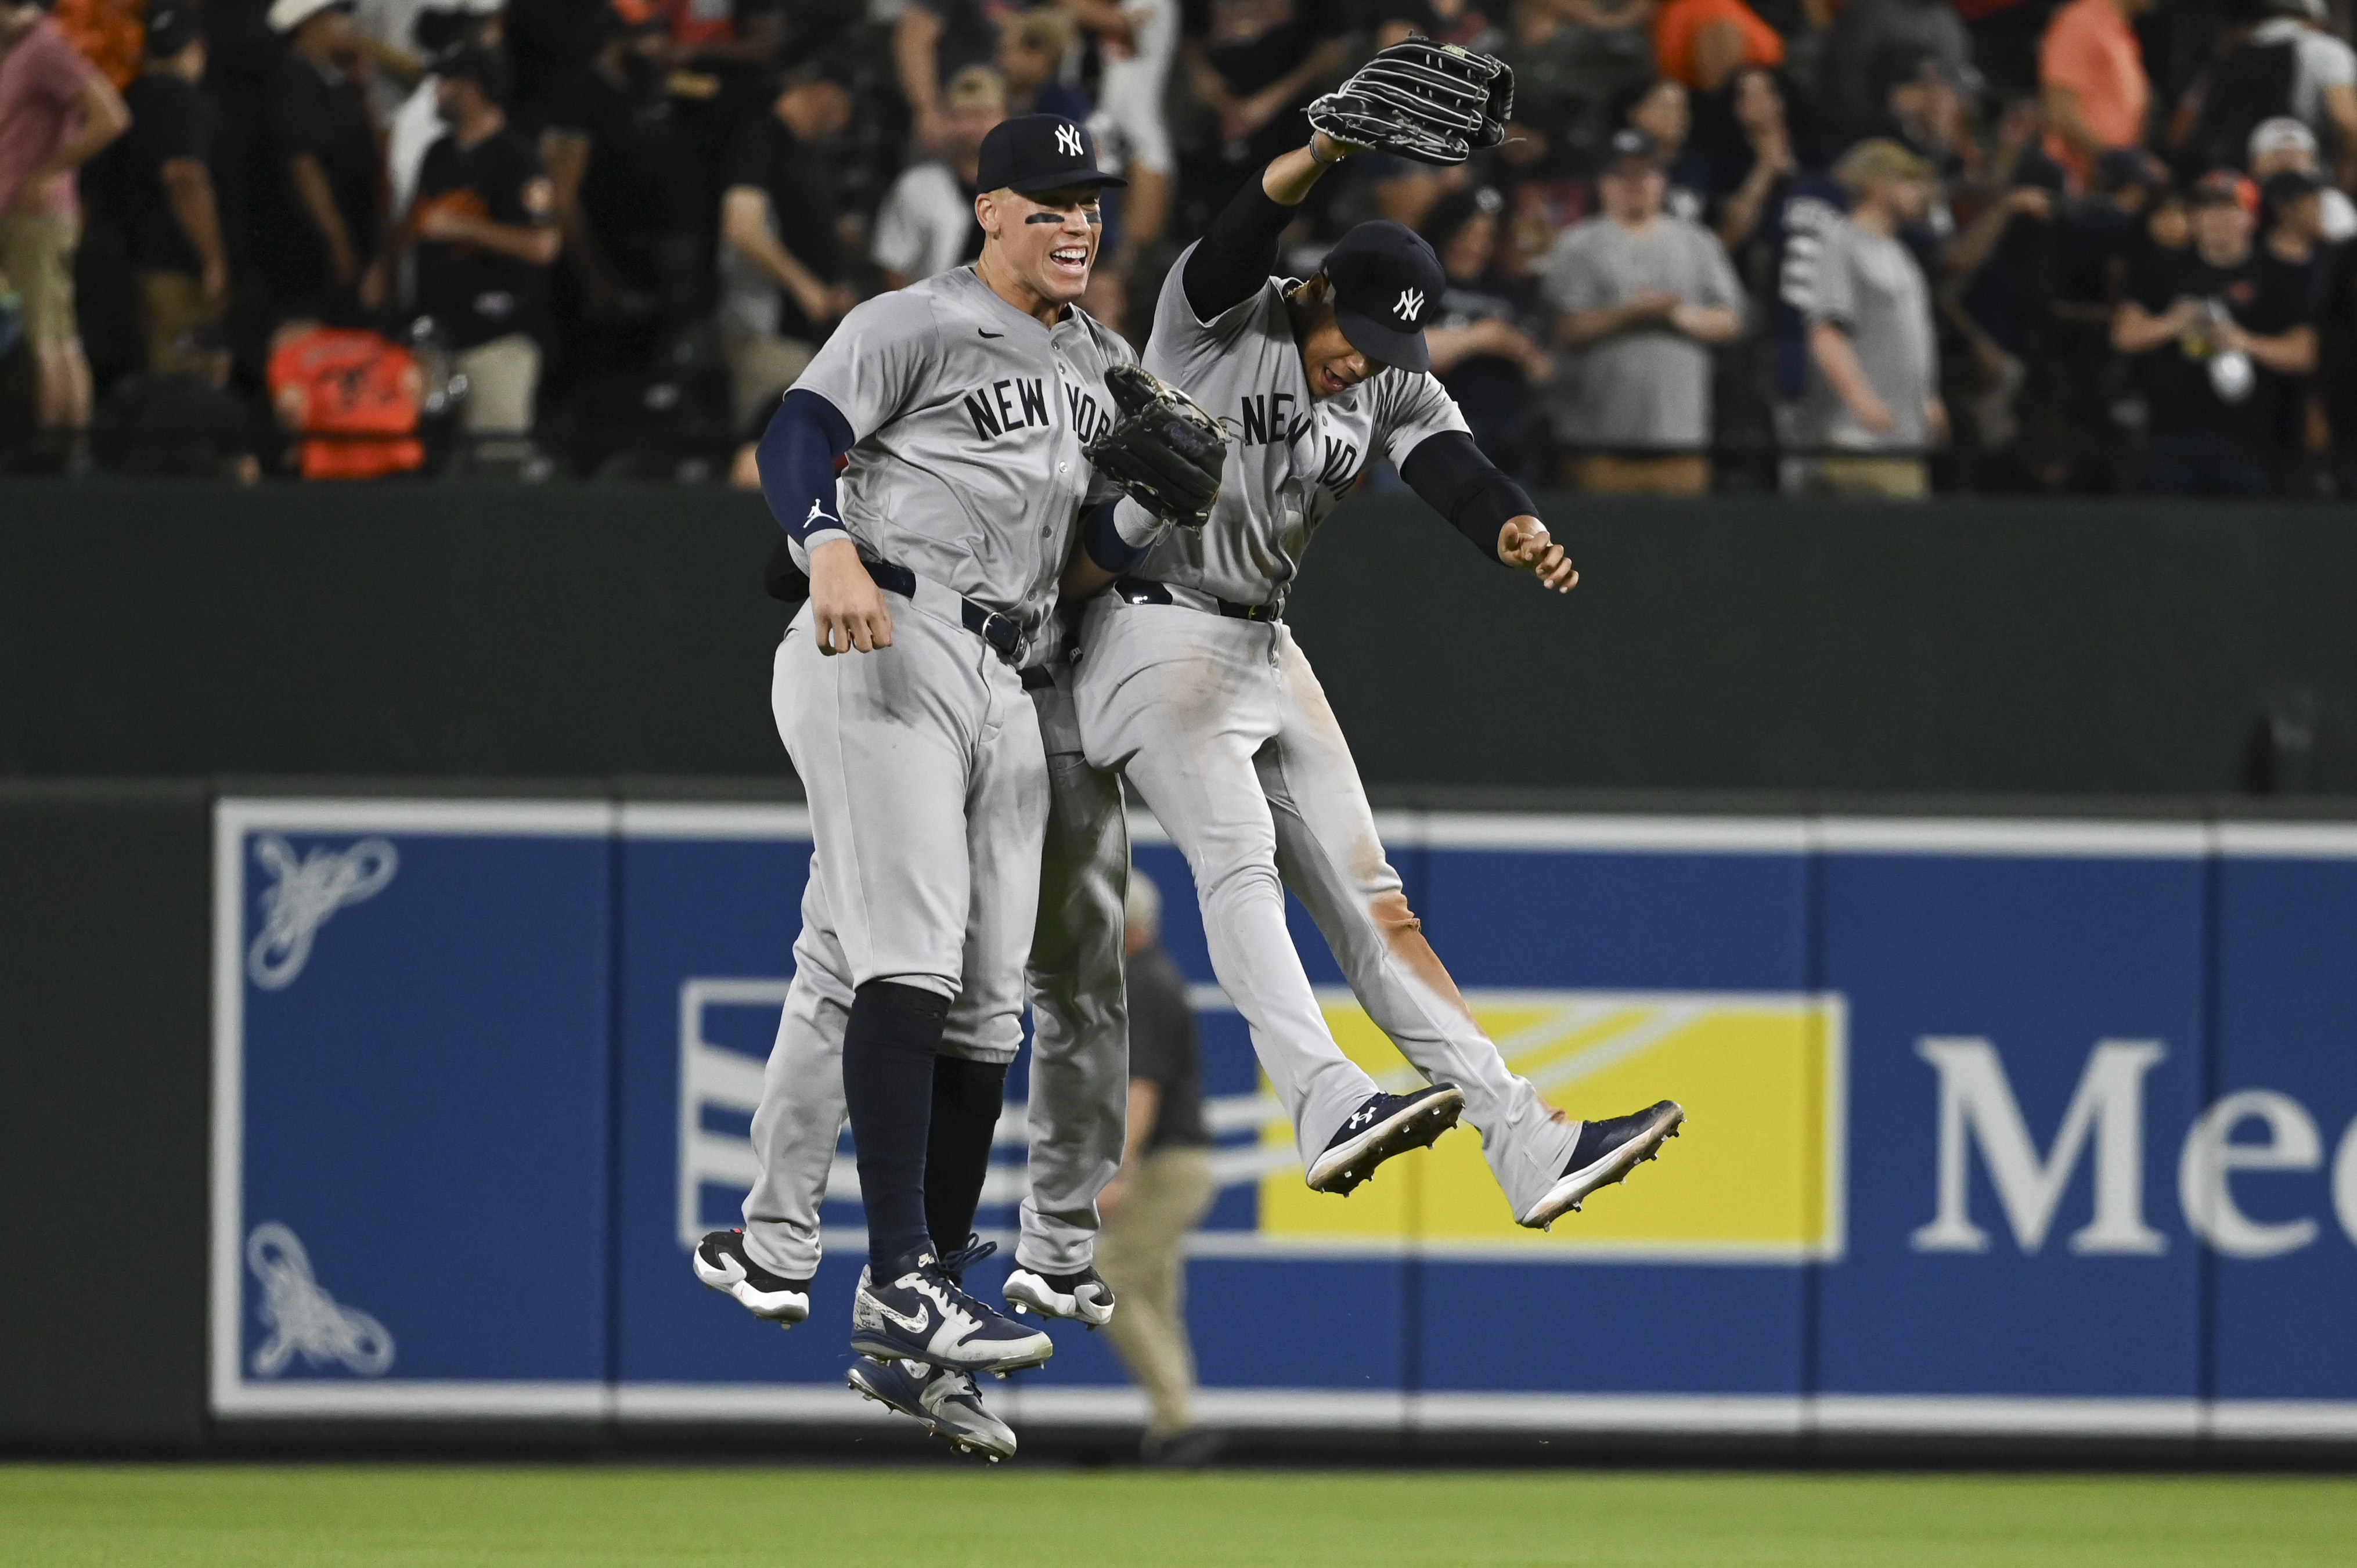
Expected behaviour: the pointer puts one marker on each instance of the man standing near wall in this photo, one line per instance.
(1640, 297)
(485, 220)
(1162, 1189)
(1874, 366)
(164, 183)
(56, 113)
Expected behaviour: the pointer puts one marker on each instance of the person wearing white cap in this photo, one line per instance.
(2283, 143)
(2323, 77)
(318, 238)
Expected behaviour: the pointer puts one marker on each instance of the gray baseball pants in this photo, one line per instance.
(1079, 1063)
(1222, 726)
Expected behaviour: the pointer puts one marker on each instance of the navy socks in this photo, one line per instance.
(967, 1100)
(890, 1049)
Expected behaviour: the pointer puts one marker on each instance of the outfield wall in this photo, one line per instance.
(437, 631)
(2003, 1129)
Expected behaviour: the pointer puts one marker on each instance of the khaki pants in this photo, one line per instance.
(37, 252)
(1884, 478)
(1670, 474)
(502, 378)
(761, 369)
(170, 305)
(1142, 1254)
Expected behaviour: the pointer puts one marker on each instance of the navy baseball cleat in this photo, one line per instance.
(947, 1402)
(1605, 1152)
(721, 1263)
(923, 1313)
(1386, 1125)
(1083, 1297)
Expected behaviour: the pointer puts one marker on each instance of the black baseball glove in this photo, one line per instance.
(1165, 452)
(1433, 102)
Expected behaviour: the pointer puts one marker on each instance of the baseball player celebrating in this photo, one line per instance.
(1190, 682)
(963, 405)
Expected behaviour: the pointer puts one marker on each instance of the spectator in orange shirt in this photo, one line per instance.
(1703, 43)
(2090, 74)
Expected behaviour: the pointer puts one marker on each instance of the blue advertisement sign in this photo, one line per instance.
(1995, 1126)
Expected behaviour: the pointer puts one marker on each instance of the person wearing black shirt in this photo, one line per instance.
(1483, 350)
(484, 224)
(319, 229)
(781, 260)
(626, 193)
(1255, 65)
(160, 181)
(1165, 1184)
(2218, 332)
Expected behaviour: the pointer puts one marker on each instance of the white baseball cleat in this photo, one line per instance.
(1605, 1152)
(722, 1263)
(1083, 1297)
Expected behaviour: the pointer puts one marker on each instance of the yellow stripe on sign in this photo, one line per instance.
(1756, 1175)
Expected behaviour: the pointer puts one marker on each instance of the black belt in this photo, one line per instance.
(1144, 591)
(1035, 677)
(1002, 632)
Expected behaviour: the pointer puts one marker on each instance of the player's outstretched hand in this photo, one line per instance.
(847, 607)
(1525, 543)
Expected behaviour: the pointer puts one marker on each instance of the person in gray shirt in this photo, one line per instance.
(1640, 297)
(1874, 365)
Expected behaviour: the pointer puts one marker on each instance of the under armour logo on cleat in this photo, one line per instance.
(1411, 303)
(1068, 141)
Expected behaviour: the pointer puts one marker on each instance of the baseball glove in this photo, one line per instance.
(1165, 452)
(1433, 102)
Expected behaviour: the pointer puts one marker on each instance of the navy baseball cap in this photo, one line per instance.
(170, 29)
(1039, 152)
(1631, 144)
(1385, 279)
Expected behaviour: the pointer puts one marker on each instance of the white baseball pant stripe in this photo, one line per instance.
(1222, 726)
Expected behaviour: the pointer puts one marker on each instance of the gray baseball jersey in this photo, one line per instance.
(969, 418)
(1292, 458)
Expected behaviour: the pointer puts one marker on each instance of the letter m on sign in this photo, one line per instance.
(1976, 1106)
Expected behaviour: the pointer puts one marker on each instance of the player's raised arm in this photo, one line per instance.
(1237, 254)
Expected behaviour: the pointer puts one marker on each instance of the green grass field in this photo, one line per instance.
(498, 1517)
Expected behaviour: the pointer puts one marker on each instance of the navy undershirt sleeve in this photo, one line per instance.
(1238, 253)
(1102, 541)
(797, 458)
(1462, 485)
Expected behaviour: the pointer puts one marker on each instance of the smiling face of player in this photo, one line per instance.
(1039, 247)
(1327, 359)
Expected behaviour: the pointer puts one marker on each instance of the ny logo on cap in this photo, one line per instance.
(1411, 302)
(1068, 141)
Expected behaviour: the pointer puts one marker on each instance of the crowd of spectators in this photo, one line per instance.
(1843, 246)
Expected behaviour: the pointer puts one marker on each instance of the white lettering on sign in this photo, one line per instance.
(1976, 1105)
(2205, 1170)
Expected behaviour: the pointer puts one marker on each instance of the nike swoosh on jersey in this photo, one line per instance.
(985, 332)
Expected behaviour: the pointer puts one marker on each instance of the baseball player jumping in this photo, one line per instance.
(900, 691)
(1190, 682)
